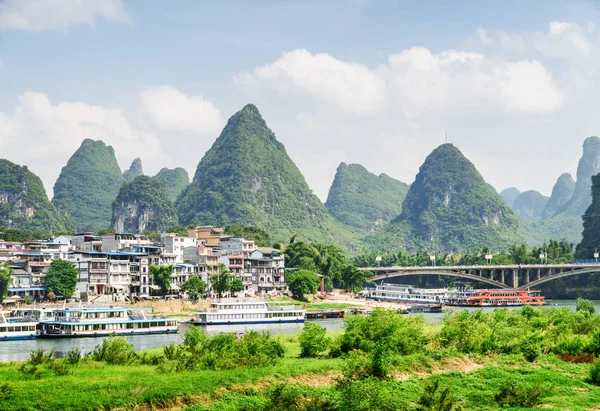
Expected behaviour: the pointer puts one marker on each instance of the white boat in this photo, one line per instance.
(98, 322)
(406, 294)
(251, 311)
(32, 315)
(16, 330)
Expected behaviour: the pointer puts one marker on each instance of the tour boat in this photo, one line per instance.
(406, 294)
(97, 322)
(496, 298)
(32, 315)
(16, 330)
(249, 311)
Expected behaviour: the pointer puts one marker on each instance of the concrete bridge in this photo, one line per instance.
(501, 276)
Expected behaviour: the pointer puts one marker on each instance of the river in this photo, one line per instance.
(20, 350)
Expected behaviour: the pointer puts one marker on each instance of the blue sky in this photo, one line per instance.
(372, 82)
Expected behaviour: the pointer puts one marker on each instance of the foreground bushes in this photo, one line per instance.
(222, 351)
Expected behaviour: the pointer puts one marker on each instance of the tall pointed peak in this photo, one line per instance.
(135, 170)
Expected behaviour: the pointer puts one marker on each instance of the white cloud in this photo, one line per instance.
(38, 15)
(44, 136)
(565, 40)
(351, 86)
(415, 82)
(167, 108)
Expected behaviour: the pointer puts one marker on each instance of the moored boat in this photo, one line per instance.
(250, 311)
(495, 298)
(16, 330)
(98, 322)
(406, 294)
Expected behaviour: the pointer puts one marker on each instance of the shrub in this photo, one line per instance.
(74, 356)
(28, 300)
(594, 374)
(369, 394)
(531, 351)
(60, 367)
(114, 351)
(313, 340)
(515, 393)
(7, 391)
(41, 356)
(571, 344)
(585, 305)
(435, 397)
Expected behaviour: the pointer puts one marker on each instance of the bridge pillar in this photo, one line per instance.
(537, 274)
(502, 276)
(526, 277)
(515, 283)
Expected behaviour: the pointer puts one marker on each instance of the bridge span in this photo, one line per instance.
(501, 276)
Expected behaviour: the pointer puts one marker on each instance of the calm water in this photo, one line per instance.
(19, 350)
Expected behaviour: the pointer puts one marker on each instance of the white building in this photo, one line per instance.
(174, 245)
(118, 241)
(267, 267)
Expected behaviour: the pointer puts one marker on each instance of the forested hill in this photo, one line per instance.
(141, 205)
(24, 204)
(135, 170)
(175, 180)
(449, 208)
(248, 178)
(88, 185)
(364, 200)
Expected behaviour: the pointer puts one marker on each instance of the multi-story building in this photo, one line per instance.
(267, 267)
(118, 241)
(184, 271)
(205, 257)
(209, 236)
(86, 242)
(174, 245)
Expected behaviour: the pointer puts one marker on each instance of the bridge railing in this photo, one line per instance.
(586, 262)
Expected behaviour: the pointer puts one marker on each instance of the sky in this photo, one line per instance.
(512, 84)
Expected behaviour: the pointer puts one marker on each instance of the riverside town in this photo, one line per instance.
(284, 205)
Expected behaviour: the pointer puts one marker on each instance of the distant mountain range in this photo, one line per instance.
(248, 178)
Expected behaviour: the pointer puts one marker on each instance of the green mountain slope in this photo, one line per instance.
(175, 181)
(88, 185)
(143, 205)
(449, 208)
(590, 241)
(135, 170)
(567, 222)
(24, 204)
(530, 205)
(248, 178)
(509, 195)
(364, 200)
(561, 194)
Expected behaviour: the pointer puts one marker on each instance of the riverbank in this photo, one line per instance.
(521, 359)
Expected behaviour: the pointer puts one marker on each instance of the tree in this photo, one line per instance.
(5, 279)
(258, 235)
(585, 306)
(221, 282)
(194, 286)
(353, 278)
(236, 285)
(161, 275)
(302, 282)
(61, 278)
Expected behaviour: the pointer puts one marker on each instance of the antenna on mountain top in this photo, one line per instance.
(446, 137)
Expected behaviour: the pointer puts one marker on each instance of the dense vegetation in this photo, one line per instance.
(530, 205)
(590, 242)
(176, 180)
(364, 200)
(143, 205)
(561, 194)
(449, 207)
(88, 185)
(324, 259)
(524, 358)
(135, 170)
(247, 178)
(24, 204)
(260, 237)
